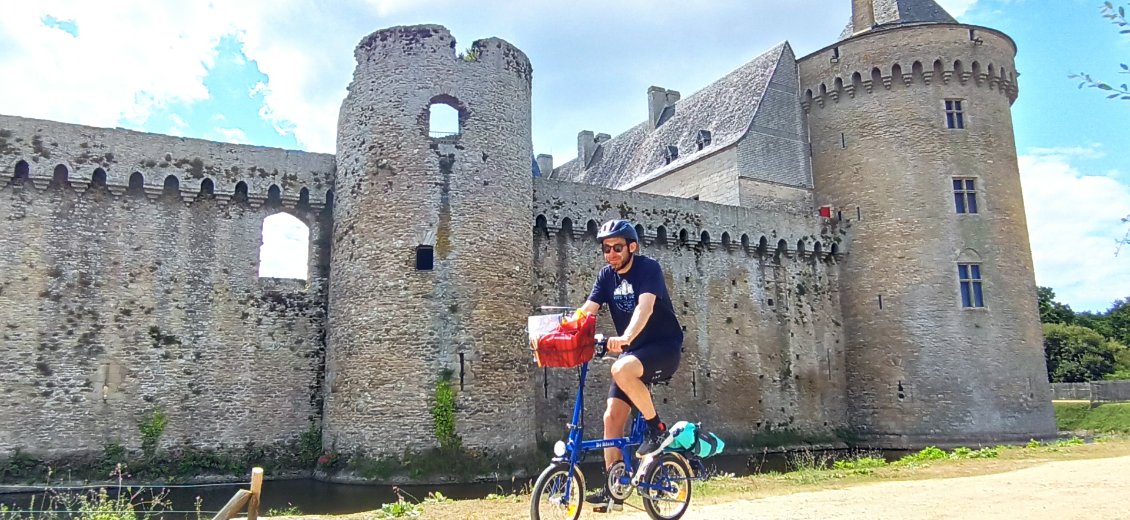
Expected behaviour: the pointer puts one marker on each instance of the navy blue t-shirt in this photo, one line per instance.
(621, 294)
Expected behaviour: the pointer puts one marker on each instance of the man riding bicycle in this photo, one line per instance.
(650, 337)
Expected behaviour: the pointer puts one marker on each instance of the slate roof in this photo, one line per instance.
(725, 108)
(904, 12)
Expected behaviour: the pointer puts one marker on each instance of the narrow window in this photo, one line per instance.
(835, 53)
(424, 257)
(285, 247)
(969, 278)
(955, 114)
(965, 195)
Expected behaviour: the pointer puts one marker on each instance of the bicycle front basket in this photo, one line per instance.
(569, 345)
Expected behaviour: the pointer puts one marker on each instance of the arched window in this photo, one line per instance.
(566, 228)
(274, 196)
(726, 239)
(443, 118)
(172, 186)
(98, 179)
(60, 177)
(22, 173)
(592, 229)
(782, 250)
(285, 248)
(207, 188)
(136, 184)
(704, 239)
(240, 192)
(762, 247)
(541, 227)
(639, 232)
(661, 235)
(304, 198)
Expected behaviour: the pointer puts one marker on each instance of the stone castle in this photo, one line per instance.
(843, 234)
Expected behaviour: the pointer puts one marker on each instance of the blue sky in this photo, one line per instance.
(273, 74)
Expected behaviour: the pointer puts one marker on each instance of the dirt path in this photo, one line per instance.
(1091, 489)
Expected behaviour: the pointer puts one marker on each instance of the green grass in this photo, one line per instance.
(1111, 417)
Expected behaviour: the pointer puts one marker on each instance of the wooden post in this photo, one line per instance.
(234, 505)
(256, 493)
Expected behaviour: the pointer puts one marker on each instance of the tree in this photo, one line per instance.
(1052, 311)
(1117, 16)
(1118, 318)
(1077, 354)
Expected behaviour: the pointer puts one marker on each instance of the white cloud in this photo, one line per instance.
(125, 60)
(1066, 153)
(1074, 222)
(957, 8)
(232, 135)
(179, 126)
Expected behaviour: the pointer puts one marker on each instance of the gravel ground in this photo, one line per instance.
(1090, 489)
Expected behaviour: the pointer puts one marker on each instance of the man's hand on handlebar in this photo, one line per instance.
(617, 344)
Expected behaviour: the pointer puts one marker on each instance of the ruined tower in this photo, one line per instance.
(912, 140)
(430, 263)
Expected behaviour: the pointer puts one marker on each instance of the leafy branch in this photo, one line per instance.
(1117, 16)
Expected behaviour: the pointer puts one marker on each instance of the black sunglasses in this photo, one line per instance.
(619, 248)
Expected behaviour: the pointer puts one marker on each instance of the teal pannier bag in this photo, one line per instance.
(688, 436)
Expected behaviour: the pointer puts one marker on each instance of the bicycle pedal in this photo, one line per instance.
(608, 508)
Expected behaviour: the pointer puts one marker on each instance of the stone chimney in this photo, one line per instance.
(545, 164)
(586, 146)
(659, 100)
(862, 15)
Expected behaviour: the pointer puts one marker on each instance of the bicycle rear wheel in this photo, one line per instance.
(547, 501)
(666, 488)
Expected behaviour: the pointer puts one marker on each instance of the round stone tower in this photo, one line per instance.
(430, 259)
(912, 141)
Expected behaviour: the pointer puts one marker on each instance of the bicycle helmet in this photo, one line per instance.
(618, 228)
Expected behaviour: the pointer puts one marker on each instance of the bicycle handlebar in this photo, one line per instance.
(601, 348)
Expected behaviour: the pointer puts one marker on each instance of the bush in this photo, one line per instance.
(927, 454)
(1076, 354)
(861, 463)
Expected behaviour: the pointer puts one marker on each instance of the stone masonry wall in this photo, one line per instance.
(921, 368)
(396, 329)
(116, 305)
(763, 346)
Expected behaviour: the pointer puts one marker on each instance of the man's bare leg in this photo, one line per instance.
(627, 372)
(615, 418)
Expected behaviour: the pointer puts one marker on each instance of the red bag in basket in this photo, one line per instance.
(570, 345)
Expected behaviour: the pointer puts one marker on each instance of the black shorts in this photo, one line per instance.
(658, 363)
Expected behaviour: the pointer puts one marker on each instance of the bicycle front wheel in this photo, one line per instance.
(548, 500)
(666, 488)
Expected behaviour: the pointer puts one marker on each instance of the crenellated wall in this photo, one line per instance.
(763, 346)
(115, 303)
(153, 164)
(938, 54)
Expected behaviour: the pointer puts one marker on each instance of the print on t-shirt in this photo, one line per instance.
(624, 297)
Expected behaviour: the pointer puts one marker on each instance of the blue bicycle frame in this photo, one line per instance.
(575, 446)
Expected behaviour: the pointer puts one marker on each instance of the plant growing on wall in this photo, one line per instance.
(152, 426)
(443, 414)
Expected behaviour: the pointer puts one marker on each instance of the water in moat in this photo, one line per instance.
(310, 496)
